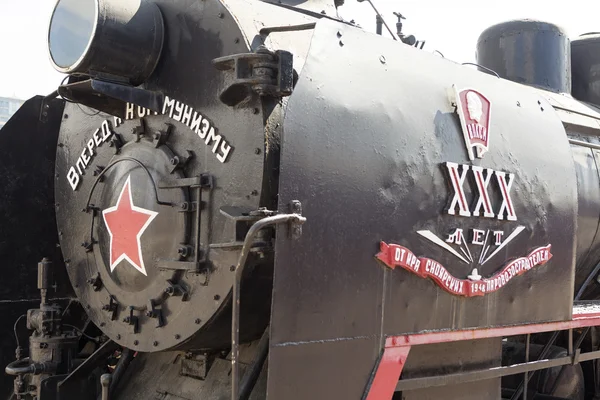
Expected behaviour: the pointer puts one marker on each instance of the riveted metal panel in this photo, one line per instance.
(367, 135)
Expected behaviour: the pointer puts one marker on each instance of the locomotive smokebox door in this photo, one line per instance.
(437, 198)
(151, 204)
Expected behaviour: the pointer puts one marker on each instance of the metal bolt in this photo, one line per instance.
(118, 337)
(169, 290)
(221, 15)
(339, 34)
(257, 151)
(217, 297)
(177, 336)
(232, 268)
(197, 321)
(136, 342)
(382, 59)
(182, 251)
(155, 343)
(173, 161)
(341, 43)
(66, 116)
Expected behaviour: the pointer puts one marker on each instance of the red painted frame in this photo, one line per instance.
(387, 372)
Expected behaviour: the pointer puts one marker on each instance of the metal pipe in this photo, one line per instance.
(124, 361)
(239, 269)
(251, 376)
(19, 367)
(105, 381)
(526, 378)
(382, 20)
(378, 24)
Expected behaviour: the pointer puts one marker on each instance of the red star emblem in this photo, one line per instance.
(126, 223)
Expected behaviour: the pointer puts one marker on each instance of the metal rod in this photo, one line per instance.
(198, 222)
(526, 378)
(239, 269)
(382, 19)
(482, 374)
(287, 28)
(585, 144)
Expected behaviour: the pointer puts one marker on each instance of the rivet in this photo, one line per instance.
(136, 342)
(221, 15)
(256, 111)
(341, 43)
(177, 336)
(217, 297)
(155, 343)
(118, 337)
(382, 59)
(232, 268)
(197, 321)
(257, 151)
(237, 40)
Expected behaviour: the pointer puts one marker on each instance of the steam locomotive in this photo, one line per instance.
(259, 200)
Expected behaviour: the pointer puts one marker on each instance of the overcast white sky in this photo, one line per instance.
(451, 27)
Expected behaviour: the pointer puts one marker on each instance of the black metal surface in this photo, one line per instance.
(378, 175)
(124, 43)
(434, 371)
(585, 61)
(585, 158)
(181, 302)
(528, 51)
(27, 222)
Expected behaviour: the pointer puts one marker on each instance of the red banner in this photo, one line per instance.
(394, 256)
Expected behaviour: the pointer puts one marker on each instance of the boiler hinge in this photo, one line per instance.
(265, 72)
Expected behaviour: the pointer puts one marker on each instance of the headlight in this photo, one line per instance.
(115, 39)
